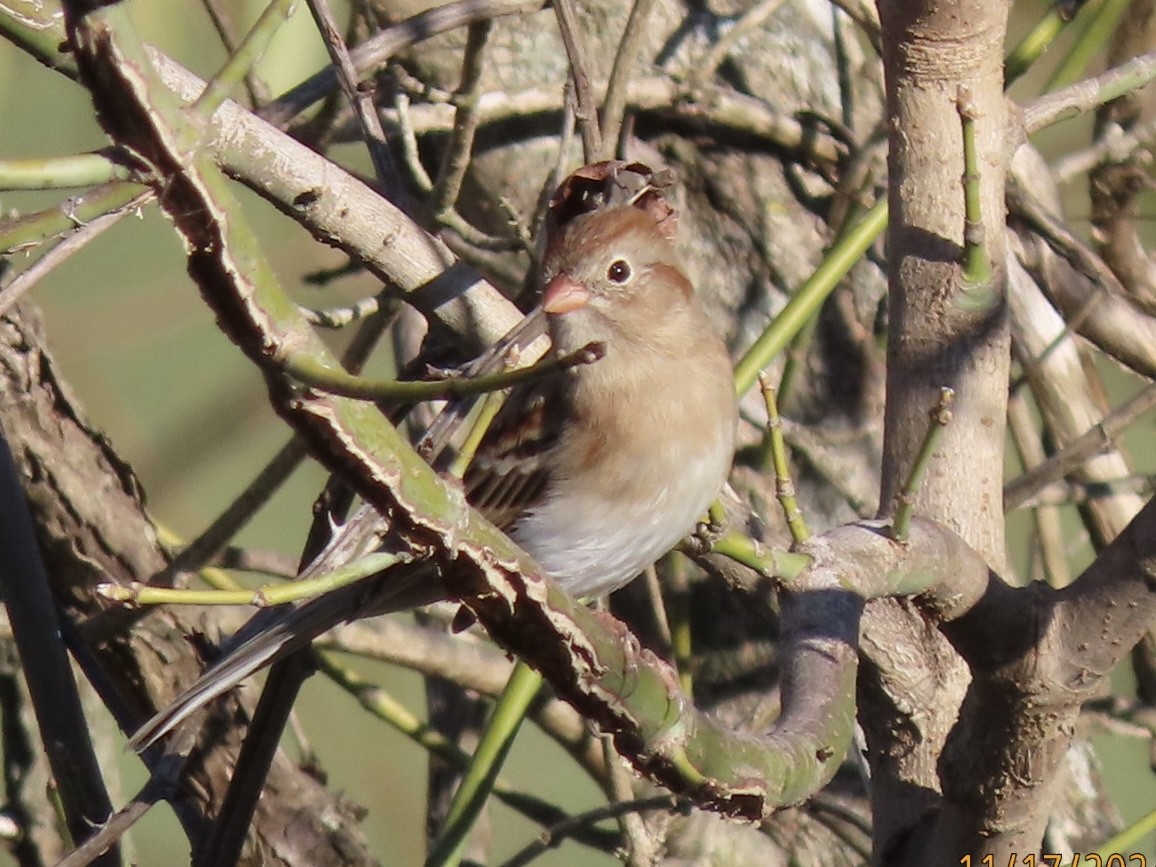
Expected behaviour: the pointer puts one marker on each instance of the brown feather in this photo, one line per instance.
(509, 473)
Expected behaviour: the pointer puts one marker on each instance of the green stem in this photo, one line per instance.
(678, 617)
(1032, 47)
(975, 281)
(1129, 839)
(81, 170)
(319, 374)
(34, 229)
(479, 424)
(784, 487)
(810, 296)
(264, 596)
(771, 563)
(940, 417)
(242, 60)
(39, 30)
(215, 577)
(1102, 18)
(511, 708)
(378, 701)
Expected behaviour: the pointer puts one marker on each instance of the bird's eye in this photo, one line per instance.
(619, 271)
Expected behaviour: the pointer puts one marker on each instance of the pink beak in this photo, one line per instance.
(564, 294)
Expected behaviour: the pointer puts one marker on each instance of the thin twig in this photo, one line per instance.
(586, 112)
(750, 20)
(338, 381)
(242, 61)
(474, 236)
(64, 249)
(374, 53)
(366, 338)
(864, 13)
(477, 423)
(409, 149)
(226, 30)
(777, 565)
(565, 143)
(266, 483)
(522, 232)
(378, 701)
(1072, 101)
(714, 108)
(657, 605)
(159, 786)
(840, 41)
(324, 276)
(784, 486)
(456, 162)
(265, 596)
(939, 417)
(340, 317)
(227, 837)
(1070, 457)
(1115, 145)
(625, 60)
(1065, 242)
(676, 620)
(1095, 27)
(975, 289)
(74, 170)
(1032, 46)
(22, 233)
(807, 298)
(1106, 314)
(1026, 438)
(489, 756)
(415, 86)
(1069, 492)
(360, 98)
(466, 118)
(237, 514)
(552, 837)
(641, 847)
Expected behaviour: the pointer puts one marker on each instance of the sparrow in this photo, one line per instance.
(595, 472)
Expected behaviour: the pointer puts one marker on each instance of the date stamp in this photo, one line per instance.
(1054, 859)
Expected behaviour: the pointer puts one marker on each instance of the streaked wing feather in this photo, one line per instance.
(508, 473)
(444, 436)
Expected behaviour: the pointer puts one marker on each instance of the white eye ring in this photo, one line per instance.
(619, 271)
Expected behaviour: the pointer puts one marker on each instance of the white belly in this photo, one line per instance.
(592, 546)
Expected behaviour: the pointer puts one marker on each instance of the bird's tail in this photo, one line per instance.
(276, 632)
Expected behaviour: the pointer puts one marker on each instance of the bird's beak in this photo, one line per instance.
(564, 294)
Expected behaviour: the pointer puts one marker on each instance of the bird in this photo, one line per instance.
(595, 472)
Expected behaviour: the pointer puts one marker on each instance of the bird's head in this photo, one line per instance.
(613, 276)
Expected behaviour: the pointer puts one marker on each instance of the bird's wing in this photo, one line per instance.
(509, 472)
(507, 475)
(443, 439)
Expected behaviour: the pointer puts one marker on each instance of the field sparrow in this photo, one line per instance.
(596, 472)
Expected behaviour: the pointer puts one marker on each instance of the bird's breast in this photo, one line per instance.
(640, 469)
